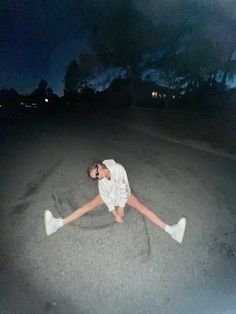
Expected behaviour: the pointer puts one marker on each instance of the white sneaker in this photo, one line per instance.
(178, 230)
(51, 224)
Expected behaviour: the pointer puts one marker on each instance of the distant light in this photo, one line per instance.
(173, 97)
(0, 106)
(46, 99)
(154, 94)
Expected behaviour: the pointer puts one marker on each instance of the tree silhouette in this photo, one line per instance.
(85, 69)
(130, 36)
(41, 92)
(71, 79)
(9, 98)
(197, 39)
(121, 37)
(199, 45)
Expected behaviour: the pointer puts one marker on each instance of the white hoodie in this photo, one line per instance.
(116, 190)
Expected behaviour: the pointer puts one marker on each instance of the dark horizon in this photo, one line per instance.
(38, 41)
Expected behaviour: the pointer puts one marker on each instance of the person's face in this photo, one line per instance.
(97, 173)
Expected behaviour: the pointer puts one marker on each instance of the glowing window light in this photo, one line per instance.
(154, 94)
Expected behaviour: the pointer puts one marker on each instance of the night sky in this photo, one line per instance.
(39, 38)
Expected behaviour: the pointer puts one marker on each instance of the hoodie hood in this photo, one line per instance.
(109, 163)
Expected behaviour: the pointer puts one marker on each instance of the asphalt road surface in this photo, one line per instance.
(95, 265)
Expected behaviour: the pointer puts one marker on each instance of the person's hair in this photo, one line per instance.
(94, 166)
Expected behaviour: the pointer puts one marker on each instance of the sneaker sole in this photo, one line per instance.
(47, 218)
(182, 223)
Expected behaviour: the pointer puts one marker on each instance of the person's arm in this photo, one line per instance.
(109, 203)
(106, 199)
(118, 217)
(123, 188)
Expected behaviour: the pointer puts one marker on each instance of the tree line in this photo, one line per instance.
(191, 44)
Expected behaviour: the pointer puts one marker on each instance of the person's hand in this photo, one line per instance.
(120, 211)
(117, 216)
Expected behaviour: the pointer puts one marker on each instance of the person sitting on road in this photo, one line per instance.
(115, 193)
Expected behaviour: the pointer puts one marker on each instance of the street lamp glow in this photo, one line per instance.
(46, 99)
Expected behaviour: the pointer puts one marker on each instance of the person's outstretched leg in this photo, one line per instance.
(137, 204)
(53, 224)
(176, 231)
(96, 201)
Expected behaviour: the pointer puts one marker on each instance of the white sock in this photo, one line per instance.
(60, 222)
(168, 229)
